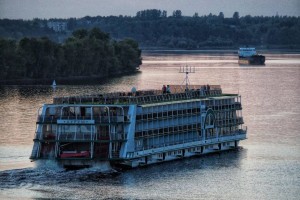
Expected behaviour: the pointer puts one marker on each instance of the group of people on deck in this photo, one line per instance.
(166, 89)
(205, 90)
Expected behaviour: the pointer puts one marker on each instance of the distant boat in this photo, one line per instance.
(249, 56)
(54, 83)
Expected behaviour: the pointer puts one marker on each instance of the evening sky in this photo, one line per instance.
(29, 9)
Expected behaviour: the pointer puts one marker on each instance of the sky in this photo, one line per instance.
(45, 9)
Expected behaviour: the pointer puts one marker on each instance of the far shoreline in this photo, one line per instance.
(90, 80)
(75, 80)
(220, 50)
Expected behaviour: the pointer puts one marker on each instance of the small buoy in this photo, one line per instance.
(54, 83)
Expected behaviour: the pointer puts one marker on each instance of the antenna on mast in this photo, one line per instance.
(186, 69)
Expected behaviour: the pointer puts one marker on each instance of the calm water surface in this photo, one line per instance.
(267, 166)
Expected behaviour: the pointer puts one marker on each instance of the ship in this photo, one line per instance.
(248, 56)
(138, 127)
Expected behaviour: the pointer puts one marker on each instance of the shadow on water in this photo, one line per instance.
(50, 174)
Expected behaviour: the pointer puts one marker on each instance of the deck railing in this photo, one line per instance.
(177, 92)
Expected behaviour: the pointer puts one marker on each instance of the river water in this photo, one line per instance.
(266, 166)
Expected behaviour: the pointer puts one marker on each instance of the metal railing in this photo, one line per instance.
(177, 92)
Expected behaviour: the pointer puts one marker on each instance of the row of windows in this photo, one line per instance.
(210, 133)
(227, 114)
(149, 143)
(209, 147)
(190, 127)
(168, 113)
(165, 142)
(228, 122)
(174, 153)
(221, 102)
(192, 105)
(230, 129)
(180, 152)
(194, 149)
(226, 107)
(184, 112)
(168, 130)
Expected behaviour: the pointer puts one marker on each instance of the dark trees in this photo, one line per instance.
(151, 14)
(87, 53)
(153, 28)
(177, 13)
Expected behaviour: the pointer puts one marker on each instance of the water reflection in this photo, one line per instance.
(267, 167)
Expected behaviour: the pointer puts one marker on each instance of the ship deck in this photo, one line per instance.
(147, 97)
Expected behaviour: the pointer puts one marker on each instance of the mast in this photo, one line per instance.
(186, 69)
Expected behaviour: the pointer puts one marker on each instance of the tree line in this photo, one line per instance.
(84, 53)
(154, 28)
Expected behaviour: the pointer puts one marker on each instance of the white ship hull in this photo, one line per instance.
(164, 155)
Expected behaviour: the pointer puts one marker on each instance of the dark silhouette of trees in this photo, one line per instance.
(151, 14)
(236, 16)
(177, 13)
(79, 34)
(153, 28)
(221, 15)
(85, 53)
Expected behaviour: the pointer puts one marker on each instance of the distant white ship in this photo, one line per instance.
(249, 56)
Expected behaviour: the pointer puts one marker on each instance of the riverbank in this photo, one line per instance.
(64, 81)
(275, 49)
(77, 80)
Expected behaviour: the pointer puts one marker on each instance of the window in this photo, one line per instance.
(138, 134)
(171, 129)
(159, 115)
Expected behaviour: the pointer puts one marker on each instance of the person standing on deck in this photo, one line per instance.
(168, 90)
(208, 89)
(164, 89)
(133, 91)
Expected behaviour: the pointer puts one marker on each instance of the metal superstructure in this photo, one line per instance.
(138, 128)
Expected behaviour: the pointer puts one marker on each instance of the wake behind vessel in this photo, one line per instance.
(138, 128)
(249, 56)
